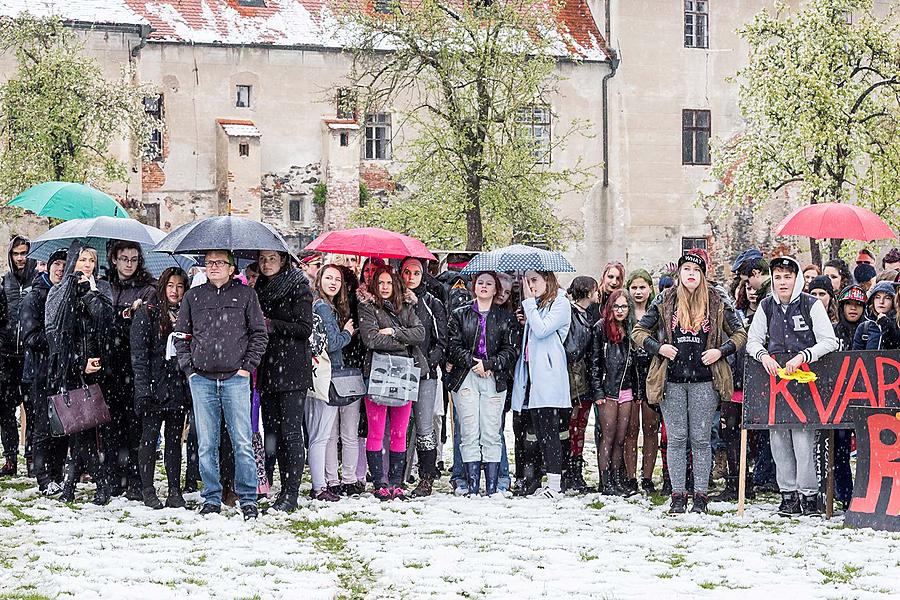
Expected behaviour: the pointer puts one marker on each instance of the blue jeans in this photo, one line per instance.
(504, 481)
(458, 473)
(231, 398)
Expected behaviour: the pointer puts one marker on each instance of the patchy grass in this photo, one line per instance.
(587, 556)
(596, 505)
(845, 574)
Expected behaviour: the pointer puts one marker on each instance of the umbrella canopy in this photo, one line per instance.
(99, 231)
(519, 258)
(243, 237)
(834, 220)
(370, 241)
(66, 200)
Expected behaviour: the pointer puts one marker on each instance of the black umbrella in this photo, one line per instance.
(241, 236)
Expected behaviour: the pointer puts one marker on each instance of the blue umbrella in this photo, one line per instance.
(519, 258)
(99, 231)
(67, 200)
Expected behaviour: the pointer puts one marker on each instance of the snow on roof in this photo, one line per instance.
(238, 128)
(87, 11)
(278, 22)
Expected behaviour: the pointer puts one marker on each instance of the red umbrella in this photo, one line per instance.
(834, 220)
(370, 241)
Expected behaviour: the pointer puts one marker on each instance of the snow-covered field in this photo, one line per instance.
(443, 547)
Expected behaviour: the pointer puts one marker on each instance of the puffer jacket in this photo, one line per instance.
(409, 332)
(878, 332)
(727, 333)
(501, 333)
(612, 366)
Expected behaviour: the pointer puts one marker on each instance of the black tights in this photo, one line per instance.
(545, 424)
(614, 418)
(730, 432)
(174, 425)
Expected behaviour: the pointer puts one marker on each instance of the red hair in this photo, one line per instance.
(613, 329)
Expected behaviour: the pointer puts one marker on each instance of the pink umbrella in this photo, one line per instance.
(834, 220)
(370, 241)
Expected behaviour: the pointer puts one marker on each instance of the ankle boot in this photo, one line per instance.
(175, 499)
(615, 480)
(729, 494)
(606, 487)
(376, 467)
(578, 482)
(396, 468)
(102, 495)
(491, 477)
(473, 477)
(68, 485)
(9, 467)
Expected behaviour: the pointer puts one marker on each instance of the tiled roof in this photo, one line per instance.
(279, 22)
(238, 128)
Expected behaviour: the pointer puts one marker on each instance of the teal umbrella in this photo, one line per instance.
(65, 200)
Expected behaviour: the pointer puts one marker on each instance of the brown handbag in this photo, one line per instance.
(77, 410)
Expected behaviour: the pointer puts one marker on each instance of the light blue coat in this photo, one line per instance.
(545, 330)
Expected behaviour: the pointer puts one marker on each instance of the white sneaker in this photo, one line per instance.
(547, 493)
(461, 489)
(52, 489)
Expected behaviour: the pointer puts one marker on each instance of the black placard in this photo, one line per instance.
(844, 380)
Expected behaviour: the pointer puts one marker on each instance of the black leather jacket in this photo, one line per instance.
(612, 366)
(500, 341)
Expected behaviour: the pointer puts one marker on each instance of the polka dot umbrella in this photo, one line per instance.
(519, 258)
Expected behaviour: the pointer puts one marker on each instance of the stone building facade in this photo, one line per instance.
(249, 92)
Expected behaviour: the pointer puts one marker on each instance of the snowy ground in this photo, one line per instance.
(442, 547)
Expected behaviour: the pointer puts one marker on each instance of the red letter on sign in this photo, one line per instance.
(859, 369)
(826, 412)
(884, 462)
(780, 386)
(880, 363)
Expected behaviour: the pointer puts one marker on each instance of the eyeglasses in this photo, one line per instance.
(217, 263)
(620, 308)
(128, 261)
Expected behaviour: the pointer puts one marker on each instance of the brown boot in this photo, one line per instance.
(426, 483)
(9, 468)
(229, 498)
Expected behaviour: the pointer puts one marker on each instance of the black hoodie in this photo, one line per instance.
(16, 285)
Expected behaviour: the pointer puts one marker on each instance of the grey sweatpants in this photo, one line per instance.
(689, 408)
(794, 451)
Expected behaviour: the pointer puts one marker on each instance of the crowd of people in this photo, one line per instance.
(230, 363)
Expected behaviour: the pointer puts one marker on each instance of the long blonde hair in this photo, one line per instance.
(692, 307)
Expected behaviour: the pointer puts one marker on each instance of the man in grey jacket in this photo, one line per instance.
(221, 337)
(782, 325)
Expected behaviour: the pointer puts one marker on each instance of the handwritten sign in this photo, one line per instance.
(876, 491)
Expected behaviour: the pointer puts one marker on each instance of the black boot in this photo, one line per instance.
(615, 479)
(729, 494)
(396, 467)
(175, 499)
(628, 486)
(68, 485)
(809, 505)
(102, 495)
(491, 476)
(606, 486)
(376, 467)
(151, 500)
(700, 502)
(647, 485)
(578, 482)
(565, 481)
(427, 473)
(473, 477)
(790, 504)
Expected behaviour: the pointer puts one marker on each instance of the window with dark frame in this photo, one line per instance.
(345, 101)
(244, 149)
(695, 132)
(243, 96)
(378, 137)
(383, 7)
(693, 243)
(252, 3)
(295, 209)
(344, 139)
(696, 23)
(153, 106)
(535, 122)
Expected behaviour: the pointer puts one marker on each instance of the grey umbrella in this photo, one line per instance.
(519, 258)
(243, 237)
(97, 232)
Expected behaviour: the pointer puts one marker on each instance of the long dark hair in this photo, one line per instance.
(165, 323)
(396, 296)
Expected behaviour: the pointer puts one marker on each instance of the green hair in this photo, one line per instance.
(645, 275)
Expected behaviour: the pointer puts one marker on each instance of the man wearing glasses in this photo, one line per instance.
(129, 281)
(222, 338)
(310, 265)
